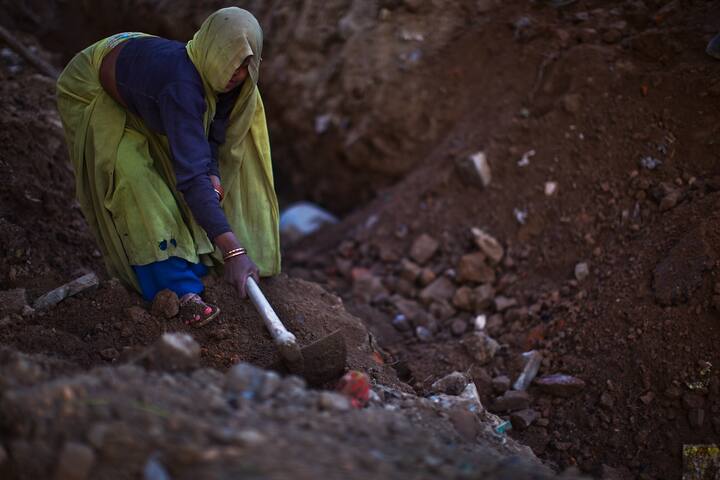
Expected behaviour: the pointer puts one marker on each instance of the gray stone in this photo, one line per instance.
(502, 303)
(581, 271)
(12, 302)
(489, 245)
(401, 323)
(464, 299)
(480, 346)
(59, 294)
(669, 201)
(465, 423)
(522, 419)
(474, 169)
(165, 304)
(484, 296)
(413, 311)
(607, 400)
(410, 271)
(246, 380)
(293, 387)
(175, 351)
(427, 276)
(501, 384)
(76, 461)
(458, 327)
(560, 385)
(270, 385)
(532, 361)
(511, 401)
(251, 437)
(423, 334)
(494, 324)
(572, 102)
(366, 286)
(442, 289)
(334, 402)
(451, 384)
(473, 268)
(442, 310)
(423, 248)
(154, 470)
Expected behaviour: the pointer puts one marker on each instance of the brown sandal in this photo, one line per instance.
(195, 311)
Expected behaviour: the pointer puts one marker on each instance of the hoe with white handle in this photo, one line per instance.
(320, 362)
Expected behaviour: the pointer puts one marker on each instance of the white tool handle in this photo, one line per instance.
(277, 330)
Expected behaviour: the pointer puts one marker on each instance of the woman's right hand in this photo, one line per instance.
(237, 271)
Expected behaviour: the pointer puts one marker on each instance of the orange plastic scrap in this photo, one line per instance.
(644, 89)
(356, 386)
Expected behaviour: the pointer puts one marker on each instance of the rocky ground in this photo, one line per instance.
(529, 197)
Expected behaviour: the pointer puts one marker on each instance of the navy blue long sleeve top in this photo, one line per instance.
(159, 83)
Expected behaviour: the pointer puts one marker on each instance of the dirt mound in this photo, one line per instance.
(111, 325)
(125, 422)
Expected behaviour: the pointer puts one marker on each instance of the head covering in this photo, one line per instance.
(225, 39)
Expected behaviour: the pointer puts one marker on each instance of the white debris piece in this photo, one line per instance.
(488, 244)
(474, 169)
(582, 270)
(480, 322)
(520, 215)
(550, 188)
(482, 167)
(525, 160)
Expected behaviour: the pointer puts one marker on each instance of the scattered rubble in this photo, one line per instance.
(480, 346)
(560, 385)
(59, 294)
(474, 169)
(423, 248)
(489, 245)
(532, 361)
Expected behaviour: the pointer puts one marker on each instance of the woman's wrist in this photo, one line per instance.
(226, 242)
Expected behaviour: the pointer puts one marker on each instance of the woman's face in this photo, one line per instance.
(239, 76)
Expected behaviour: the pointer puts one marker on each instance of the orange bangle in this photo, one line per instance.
(235, 252)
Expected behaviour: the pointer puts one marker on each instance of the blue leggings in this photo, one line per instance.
(176, 274)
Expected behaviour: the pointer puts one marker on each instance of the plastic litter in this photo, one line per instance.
(533, 359)
(303, 218)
